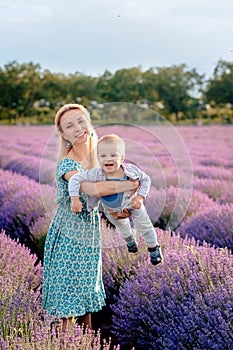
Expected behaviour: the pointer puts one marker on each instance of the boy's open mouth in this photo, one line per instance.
(108, 165)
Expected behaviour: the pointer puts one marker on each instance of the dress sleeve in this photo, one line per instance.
(65, 165)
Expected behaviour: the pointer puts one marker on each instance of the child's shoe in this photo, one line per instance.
(156, 256)
(132, 246)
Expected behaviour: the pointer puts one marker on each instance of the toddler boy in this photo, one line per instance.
(111, 155)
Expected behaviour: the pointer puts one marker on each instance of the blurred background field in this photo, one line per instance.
(183, 95)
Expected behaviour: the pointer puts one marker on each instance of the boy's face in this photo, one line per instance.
(110, 156)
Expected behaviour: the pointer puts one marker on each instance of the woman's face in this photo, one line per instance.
(75, 127)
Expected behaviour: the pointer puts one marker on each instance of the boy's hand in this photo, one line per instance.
(137, 202)
(76, 205)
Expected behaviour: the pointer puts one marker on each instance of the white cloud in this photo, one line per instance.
(23, 12)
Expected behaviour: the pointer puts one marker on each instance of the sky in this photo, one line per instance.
(93, 36)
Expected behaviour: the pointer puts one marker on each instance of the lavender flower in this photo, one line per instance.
(184, 304)
(209, 172)
(21, 326)
(214, 225)
(30, 166)
(19, 287)
(22, 206)
(219, 190)
(166, 208)
(38, 230)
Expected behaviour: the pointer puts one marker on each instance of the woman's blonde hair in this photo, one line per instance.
(63, 150)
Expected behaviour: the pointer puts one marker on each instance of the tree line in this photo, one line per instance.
(28, 93)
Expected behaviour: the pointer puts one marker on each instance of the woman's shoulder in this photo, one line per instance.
(65, 165)
(66, 161)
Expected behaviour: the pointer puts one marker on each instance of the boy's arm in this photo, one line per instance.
(145, 181)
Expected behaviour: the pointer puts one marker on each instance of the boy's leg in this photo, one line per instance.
(125, 230)
(144, 226)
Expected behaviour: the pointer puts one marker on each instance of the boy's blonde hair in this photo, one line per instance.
(112, 138)
(63, 150)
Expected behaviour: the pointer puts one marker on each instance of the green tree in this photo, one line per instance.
(175, 86)
(19, 85)
(30, 80)
(220, 88)
(82, 88)
(103, 86)
(54, 87)
(150, 93)
(26, 90)
(124, 86)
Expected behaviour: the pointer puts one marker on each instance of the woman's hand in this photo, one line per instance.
(133, 191)
(105, 188)
(135, 184)
(123, 215)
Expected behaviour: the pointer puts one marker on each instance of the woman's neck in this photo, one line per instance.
(80, 154)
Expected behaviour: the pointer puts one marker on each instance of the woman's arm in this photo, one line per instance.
(68, 175)
(105, 188)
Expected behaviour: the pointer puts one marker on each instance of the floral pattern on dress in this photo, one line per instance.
(72, 276)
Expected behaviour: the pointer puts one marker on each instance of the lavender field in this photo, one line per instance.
(187, 302)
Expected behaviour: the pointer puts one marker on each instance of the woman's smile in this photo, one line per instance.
(80, 137)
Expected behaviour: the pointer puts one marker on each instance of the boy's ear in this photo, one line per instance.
(122, 159)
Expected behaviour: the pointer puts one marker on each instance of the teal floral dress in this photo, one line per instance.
(72, 274)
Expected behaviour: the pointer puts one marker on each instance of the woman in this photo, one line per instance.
(72, 277)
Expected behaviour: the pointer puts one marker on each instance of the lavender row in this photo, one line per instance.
(163, 197)
(214, 225)
(174, 306)
(30, 167)
(209, 148)
(21, 324)
(23, 209)
(22, 151)
(27, 216)
(184, 304)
